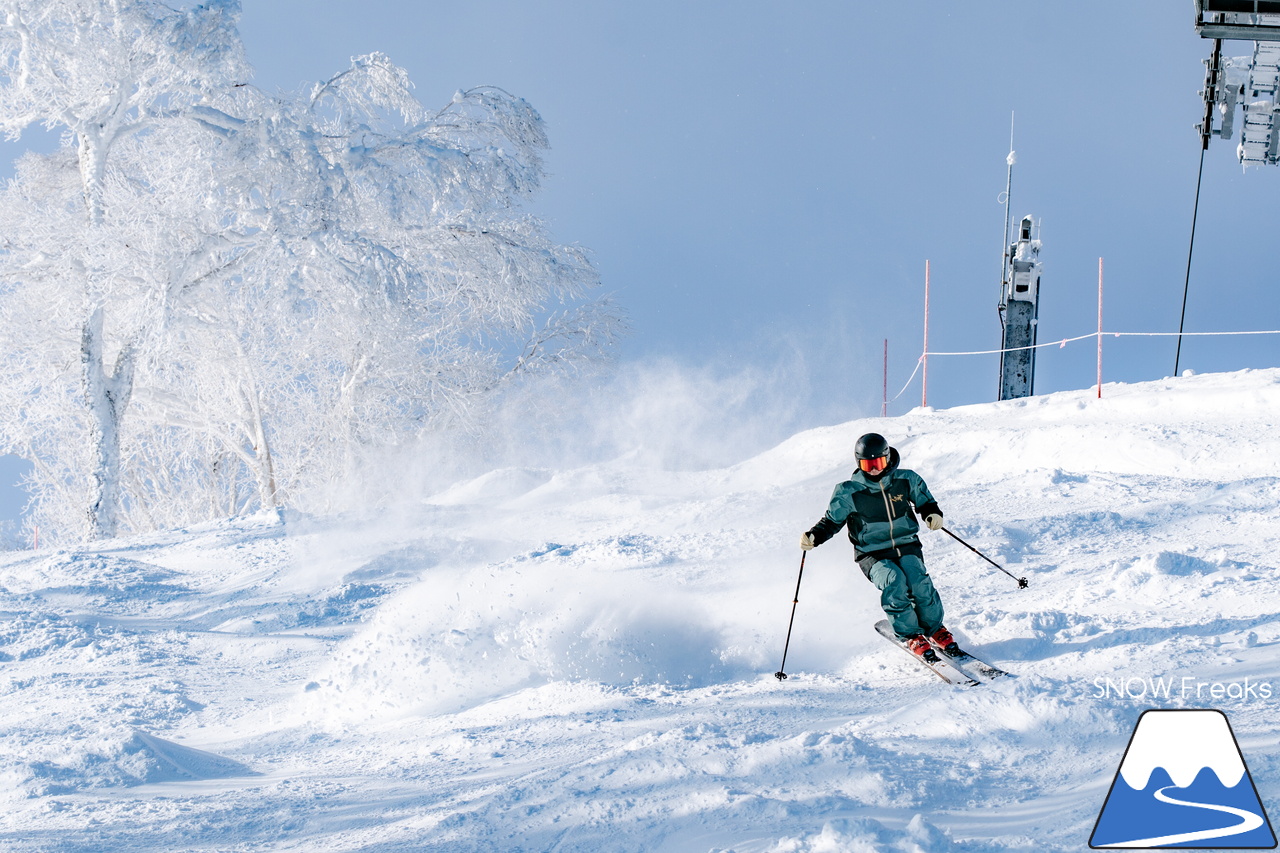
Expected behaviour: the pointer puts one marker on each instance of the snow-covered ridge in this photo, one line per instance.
(581, 658)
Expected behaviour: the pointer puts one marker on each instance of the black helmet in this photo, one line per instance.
(872, 451)
(873, 445)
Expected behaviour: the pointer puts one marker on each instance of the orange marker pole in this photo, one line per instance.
(1099, 328)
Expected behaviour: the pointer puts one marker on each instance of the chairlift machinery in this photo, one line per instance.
(1248, 84)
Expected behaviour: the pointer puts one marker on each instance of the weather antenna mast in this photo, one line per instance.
(1005, 200)
(1019, 306)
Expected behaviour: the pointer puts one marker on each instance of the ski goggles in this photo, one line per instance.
(874, 466)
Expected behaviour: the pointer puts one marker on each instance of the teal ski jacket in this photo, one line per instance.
(877, 512)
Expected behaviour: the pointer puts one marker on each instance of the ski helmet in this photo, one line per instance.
(873, 445)
(872, 451)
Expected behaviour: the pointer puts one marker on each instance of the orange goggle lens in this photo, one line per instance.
(874, 466)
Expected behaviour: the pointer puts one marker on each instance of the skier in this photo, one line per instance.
(873, 504)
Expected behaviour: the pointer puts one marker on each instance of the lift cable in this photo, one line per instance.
(1206, 130)
(1195, 212)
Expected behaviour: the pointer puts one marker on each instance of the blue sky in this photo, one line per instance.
(762, 183)
(762, 180)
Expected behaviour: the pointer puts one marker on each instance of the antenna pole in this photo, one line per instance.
(1008, 189)
(924, 379)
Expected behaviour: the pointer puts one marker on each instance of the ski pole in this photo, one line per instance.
(781, 673)
(1022, 582)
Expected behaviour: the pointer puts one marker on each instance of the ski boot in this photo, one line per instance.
(942, 639)
(919, 646)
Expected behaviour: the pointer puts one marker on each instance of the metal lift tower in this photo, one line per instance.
(1020, 313)
(1019, 298)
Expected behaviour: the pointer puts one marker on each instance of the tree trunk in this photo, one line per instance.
(107, 397)
(264, 465)
(93, 168)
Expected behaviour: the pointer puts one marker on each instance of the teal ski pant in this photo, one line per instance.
(907, 595)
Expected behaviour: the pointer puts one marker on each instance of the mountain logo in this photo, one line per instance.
(1183, 783)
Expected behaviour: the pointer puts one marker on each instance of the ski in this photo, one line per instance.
(944, 669)
(972, 665)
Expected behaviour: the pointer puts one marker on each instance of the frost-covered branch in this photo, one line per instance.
(241, 294)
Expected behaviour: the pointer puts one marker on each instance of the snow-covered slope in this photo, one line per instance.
(582, 659)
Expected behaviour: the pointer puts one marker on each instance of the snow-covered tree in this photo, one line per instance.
(278, 283)
(103, 71)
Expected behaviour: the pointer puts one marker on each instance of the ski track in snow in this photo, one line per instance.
(581, 660)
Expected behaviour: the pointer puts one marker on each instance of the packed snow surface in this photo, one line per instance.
(582, 659)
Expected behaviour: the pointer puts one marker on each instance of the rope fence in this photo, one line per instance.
(1064, 341)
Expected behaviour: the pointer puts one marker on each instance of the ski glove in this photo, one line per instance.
(933, 522)
(806, 542)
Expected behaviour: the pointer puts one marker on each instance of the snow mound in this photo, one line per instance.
(494, 487)
(33, 635)
(106, 579)
(125, 759)
(449, 642)
(868, 836)
(348, 603)
(1173, 563)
